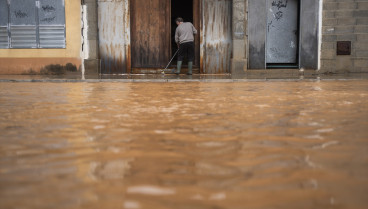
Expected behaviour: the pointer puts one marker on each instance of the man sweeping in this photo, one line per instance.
(184, 37)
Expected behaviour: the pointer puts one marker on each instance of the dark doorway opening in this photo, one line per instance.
(183, 9)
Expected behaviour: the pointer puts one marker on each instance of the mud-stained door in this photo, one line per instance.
(150, 29)
(113, 19)
(216, 41)
(282, 33)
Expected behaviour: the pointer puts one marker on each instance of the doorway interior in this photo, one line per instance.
(185, 10)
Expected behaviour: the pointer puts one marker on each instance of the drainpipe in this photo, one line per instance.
(320, 9)
(239, 36)
(90, 53)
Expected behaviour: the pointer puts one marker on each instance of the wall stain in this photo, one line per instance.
(280, 4)
(20, 14)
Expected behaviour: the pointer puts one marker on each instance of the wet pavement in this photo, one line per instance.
(251, 75)
(185, 145)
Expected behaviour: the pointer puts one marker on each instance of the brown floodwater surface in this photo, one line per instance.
(256, 145)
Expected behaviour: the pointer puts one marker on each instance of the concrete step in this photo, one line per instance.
(159, 71)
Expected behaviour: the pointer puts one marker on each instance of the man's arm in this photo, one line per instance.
(176, 36)
(194, 30)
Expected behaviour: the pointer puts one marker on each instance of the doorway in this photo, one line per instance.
(282, 39)
(183, 9)
(153, 31)
(189, 11)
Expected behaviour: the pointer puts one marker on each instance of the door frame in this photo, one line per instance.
(197, 14)
(309, 27)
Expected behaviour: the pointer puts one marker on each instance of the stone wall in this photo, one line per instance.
(239, 24)
(91, 62)
(344, 20)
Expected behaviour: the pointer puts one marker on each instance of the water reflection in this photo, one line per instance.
(184, 145)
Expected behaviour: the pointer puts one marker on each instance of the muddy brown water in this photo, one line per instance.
(256, 145)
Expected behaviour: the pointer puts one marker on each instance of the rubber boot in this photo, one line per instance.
(178, 67)
(190, 67)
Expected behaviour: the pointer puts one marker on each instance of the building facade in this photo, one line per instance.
(344, 36)
(39, 35)
(136, 36)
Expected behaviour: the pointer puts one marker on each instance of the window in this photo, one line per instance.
(32, 24)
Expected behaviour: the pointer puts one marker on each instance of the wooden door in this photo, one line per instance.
(150, 29)
(113, 36)
(216, 44)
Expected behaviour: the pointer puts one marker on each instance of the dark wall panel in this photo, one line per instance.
(257, 33)
(309, 23)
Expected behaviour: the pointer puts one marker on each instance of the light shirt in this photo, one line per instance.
(185, 33)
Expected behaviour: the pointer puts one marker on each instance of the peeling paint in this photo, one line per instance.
(217, 41)
(113, 36)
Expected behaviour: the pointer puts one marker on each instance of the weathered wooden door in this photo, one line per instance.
(216, 44)
(113, 24)
(150, 29)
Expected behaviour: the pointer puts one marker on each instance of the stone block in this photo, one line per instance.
(328, 54)
(363, 5)
(329, 22)
(344, 29)
(362, 21)
(360, 45)
(329, 38)
(239, 11)
(362, 37)
(360, 13)
(92, 33)
(330, 6)
(362, 63)
(92, 48)
(91, 67)
(328, 45)
(239, 49)
(346, 21)
(344, 13)
(347, 6)
(343, 63)
(328, 30)
(239, 66)
(328, 14)
(239, 29)
(90, 1)
(363, 69)
(346, 37)
(361, 53)
(361, 29)
(328, 64)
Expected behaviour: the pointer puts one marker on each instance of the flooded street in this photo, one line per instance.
(246, 145)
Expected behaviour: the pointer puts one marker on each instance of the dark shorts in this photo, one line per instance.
(186, 49)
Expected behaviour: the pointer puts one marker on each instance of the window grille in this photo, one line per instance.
(4, 21)
(32, 24)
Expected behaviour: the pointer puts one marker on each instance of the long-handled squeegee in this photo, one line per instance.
(163, 71)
